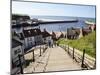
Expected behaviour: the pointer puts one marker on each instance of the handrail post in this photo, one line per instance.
(33, 56)
(83, 57)
(94, 64)
(20, 64)
(40, 50)
(65, 48)
(68, 49)
(73, 52)
(43, 48)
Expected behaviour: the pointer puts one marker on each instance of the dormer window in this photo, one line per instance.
(35, 30)
(29, 32)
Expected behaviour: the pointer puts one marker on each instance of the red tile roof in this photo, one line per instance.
(45, 34)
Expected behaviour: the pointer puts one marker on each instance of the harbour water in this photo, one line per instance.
(62, 26)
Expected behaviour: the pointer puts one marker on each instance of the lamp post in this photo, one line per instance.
(83, 57)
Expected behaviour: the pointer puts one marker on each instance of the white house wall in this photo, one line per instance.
(26, 43)
(29, 41)
(33, 42)
(38, 39)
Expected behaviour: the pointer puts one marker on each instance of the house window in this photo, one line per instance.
(31, 43)
(13, 23)
(30, 39)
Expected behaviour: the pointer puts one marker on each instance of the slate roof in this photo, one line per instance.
(31, 32)
(27, 33)
(15, 43)
(73, 31)
(35, 32)
(85, 31)
(54, 36)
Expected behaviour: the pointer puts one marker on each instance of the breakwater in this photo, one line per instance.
(50, 22)
(42, 22)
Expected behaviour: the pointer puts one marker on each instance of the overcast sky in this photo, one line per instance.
(46, 9)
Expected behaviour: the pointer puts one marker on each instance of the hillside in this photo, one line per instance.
(88, 43)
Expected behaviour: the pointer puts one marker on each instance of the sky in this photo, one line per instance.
(48, 9)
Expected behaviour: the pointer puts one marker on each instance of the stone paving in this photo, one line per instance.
(54, 59)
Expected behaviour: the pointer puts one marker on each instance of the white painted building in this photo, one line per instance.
(46, 36)
(29, 42)
(32, 37)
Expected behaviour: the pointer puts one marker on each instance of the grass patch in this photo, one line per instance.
(88, 43)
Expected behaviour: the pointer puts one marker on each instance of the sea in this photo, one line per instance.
(56, 27)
